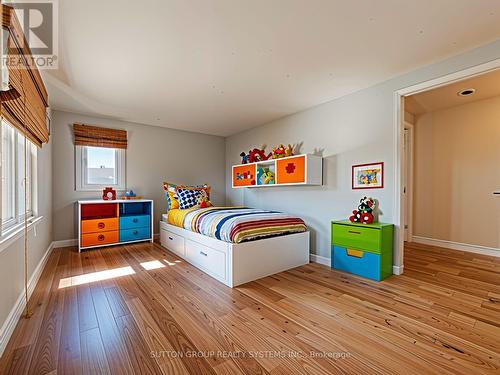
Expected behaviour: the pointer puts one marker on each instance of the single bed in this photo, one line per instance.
(236, 245)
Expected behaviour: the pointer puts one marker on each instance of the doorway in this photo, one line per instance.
(404, 139)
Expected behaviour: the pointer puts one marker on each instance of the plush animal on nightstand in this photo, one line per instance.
(365, 212)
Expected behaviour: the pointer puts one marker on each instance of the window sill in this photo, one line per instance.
(17, 232)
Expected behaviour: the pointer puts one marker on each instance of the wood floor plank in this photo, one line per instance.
(93, 353)
(46, 348)
(168, 317)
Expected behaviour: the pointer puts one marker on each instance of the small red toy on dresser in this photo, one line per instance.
(109, 194)
(365, 212)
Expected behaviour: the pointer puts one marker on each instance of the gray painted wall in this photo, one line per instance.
(154, 154)
(354, 129)
(39, 240)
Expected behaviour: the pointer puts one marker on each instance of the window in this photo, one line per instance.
(99, 167)
(14, 159)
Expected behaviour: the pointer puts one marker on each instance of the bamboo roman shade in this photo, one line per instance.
(25, 104)
(86, 135)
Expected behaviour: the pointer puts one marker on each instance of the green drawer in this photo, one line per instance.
(356, 237)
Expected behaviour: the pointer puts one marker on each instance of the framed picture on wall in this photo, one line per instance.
(368, 176)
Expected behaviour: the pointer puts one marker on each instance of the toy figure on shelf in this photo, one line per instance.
(268, 176)
(109, 194)
(265, 176)
(365, 212)
(244, 158)
(256, 155)
(281, 151)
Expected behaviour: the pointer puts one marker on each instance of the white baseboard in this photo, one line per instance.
(17, 310)
(319, 259)
(65, 243)
(492, 251)
(397, 270)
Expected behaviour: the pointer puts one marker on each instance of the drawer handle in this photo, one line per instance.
(170, 238)
(204, 254)
(136, 220)
(101, 237)
(101, 225)
(136, 232)
(354, 232)
(354, 253)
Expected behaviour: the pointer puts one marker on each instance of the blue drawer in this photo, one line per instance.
(362, 263)
(135, 234)
(136, 221)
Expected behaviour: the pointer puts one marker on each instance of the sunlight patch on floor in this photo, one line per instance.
(95, 276)
(171, 263)
(152, 265)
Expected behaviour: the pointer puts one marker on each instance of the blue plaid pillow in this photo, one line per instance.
(188, 197)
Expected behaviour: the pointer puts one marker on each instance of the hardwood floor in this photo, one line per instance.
(128, 317)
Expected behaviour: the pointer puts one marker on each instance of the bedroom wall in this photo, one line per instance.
(154, 155)
(354, 129)
(456, 163)
(39, 240)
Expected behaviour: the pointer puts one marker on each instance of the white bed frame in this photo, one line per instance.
(236, 263)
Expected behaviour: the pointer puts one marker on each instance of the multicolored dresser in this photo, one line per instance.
(363, 249)
(105, 223)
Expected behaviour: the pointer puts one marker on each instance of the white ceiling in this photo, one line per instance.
(486, 85)
(222, 66)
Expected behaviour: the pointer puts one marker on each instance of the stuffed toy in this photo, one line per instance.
(202, 200)
(364, 213)
(257, 154)
(278, 152)
(265, 176)
(289, 151)
(268, 176)
(244, 158)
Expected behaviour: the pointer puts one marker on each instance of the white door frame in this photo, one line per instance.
(409, 179)
(398, 141)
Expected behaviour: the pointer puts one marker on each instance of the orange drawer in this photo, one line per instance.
(99, 225)
(291, 170)
(244, 175)
(102, 238)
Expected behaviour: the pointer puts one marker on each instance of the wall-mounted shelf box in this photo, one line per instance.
(107, 223)
(306, 169)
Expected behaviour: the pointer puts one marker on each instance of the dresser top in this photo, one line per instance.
(372, 225)
(93, 201)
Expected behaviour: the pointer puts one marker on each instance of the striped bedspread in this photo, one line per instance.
(236, 224)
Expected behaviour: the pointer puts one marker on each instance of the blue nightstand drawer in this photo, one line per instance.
(136, 221)
(362, 263)
(135, 234)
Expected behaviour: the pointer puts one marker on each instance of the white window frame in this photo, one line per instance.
(16, 222)
(81, 183)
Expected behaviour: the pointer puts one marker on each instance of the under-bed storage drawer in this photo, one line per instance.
(172, 242)
(210, 260)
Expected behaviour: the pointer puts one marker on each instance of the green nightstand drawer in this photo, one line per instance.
(357, 237)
